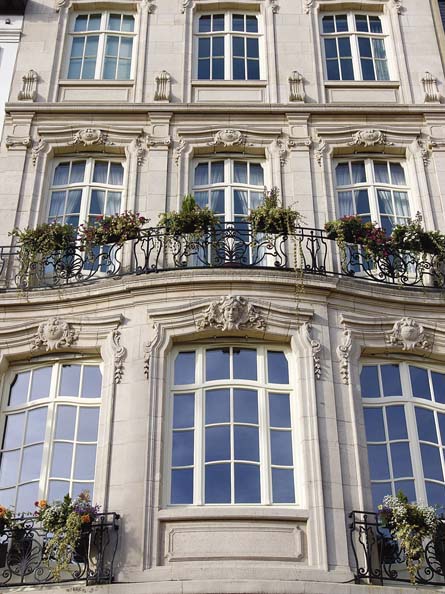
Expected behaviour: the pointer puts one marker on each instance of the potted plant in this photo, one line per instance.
(352, 229)
(410, 524)
(413, 238)
(191, 219)
(271, 217)
(67, 522)
(6, 519)
(36, 245)
(116, 228)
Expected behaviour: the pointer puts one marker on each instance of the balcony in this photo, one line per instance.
(232, 245)
(23, 561)
(378, 558)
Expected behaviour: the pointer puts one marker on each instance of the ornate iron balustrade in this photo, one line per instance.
(232, 245)
(378, 557)
(23, 560)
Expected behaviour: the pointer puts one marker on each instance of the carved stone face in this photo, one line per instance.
(54, 330)
(232, 312)
(409, 332)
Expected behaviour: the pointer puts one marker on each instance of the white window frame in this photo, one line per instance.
(228, 34)
(102, 33)
(229, 184)
(372, 185)
(409, 402)
(263, 388)
(353, 35)
(51, 403)
(87, 185)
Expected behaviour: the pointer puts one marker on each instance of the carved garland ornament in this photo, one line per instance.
(408, 334)
(54, 334)
(315, 347)
(231, 313)
(369, 137)
(343, 351)
(120, 353)
(89, 136)
(228, 137)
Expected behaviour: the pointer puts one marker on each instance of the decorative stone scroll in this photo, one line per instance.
(120, 353)
(369, 137)
(316, 348)
(228, 137)
(89, 136)
(37, 148)
(52, 334)
(296, 87)
(308, 4)
(397, 5)
(179, 150)
(28, 91)
(153, 141)
(322, 147)
(426, 144)
(18, 142)
(430, 88)
(162, 86)
(408, 334)
(148, 347)
(343, 351)
(231, 313)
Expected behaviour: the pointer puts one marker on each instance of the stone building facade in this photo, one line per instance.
(233, 399)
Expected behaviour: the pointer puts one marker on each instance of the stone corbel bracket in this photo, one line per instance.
(18, 143)
(430, 88)
(28, 91)
(120, 354)
(296, 87)
(315, 345)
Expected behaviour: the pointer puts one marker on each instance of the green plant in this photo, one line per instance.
(64, 520)
(191, 219)
(116, 228)
(413, 238)
(410, 524)
(6, 518)
(35, 245)
(352, 229)
(272, 217)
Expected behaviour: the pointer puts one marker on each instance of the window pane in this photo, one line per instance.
(397, 174)
(362, 201)
(238, 69)
(85, 462)
(19, 389)
(391, 380)
(252, 48)
(378, 462)
(375, 429)
(328, 24)
(26, 495)
(204, 23)
(419, 382)
(375, 24)
(344, 47)
(183, 411)
(66, 422)
(217, 483)
(36, 425)
(364, 44)
(244, 364)
(379, 49)
(426, 426)
(9, 468)
(368, 70)
(217, 364)
(281, 448)
(218, 69)
(436, 496)
(80, 23)
(185, 368)
(245, 404)
(283, 485)
(13, 436)
(217, 443)
(253, 70)
(341, 21)
(251, 24)
(395, 416)
(238, 22)
(31, 463)
(218, 47)
(218, 22)
(204, 69)
(432, 467)
(69, 384)
(246, 443)
(247, 483)
(379, 490)
(183, 447)
(62, 458)
(88, 423)
(238, 47)
(401, 460)
(94, 22)
(114, 22)
(279, 410)
(128, 23)
(369, 382)
(41, 380)
(57, 490)
(333, 70)
(92, 382)
(330, 48)
(358, 172)
(278, 372)
(407, 488)
(361, 22)
(182, 486)
(217, 406)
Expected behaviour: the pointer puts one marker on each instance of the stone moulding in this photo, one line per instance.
(53, 334)
(296, 87)
(369, 137)
(343, 351)
(231, 313)
(162, 86)
(89, 137)
(119, 355)
(408, 334)
(28, 91)
(315, 348)
(228, 137)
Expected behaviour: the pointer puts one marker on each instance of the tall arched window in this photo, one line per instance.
(232, 418)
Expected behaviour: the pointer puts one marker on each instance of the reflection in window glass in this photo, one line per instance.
(231, 420)
(185, 368)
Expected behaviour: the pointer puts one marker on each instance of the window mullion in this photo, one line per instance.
(50, 432)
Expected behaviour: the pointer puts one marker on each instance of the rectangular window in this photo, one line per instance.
(102, 46)
(50, 425)
(232, 439)
(228, 47)
(354, 47)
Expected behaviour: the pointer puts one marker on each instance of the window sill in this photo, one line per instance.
(248, 512)
(95, 83)
(227, 91)
(363, 84)
(362, 91)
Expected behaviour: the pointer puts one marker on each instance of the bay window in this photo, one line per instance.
(232, 439)
(50, 418)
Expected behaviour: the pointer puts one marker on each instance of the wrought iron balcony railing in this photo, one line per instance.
(379, 558)
(232, 245)
(23, 559)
